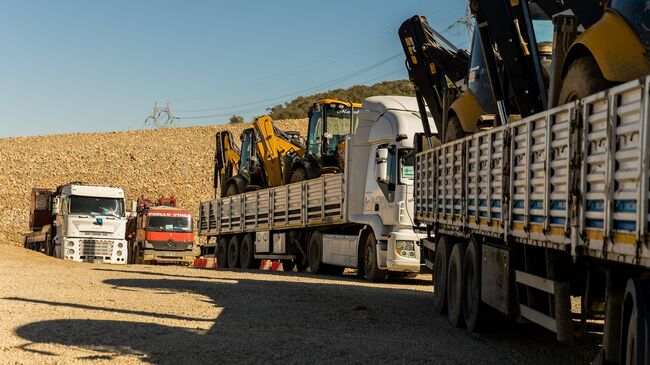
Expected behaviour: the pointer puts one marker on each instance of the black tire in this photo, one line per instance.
(633, 329)
(315, 252)
(298, 175)
(372, 272)
(288, 265)
(453, 130)
(221, 253)
(247, 252)
(455, 285)
(474, 311)
(232, 190)
(582, 79)
(440, 263)
(233, 252)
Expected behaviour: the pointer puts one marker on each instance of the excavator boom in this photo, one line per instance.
(273, 146)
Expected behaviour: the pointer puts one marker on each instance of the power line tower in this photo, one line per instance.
(160, 117)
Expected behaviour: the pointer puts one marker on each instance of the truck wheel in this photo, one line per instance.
(440, 263)
(582, 79)
(247, 252)
(298, 175)
(370, 267)
(287, 265)
(233, 252)
(453, 130)
(473, 309)
(455, 285)
(222, 252)
(634, 343)
(315, 253)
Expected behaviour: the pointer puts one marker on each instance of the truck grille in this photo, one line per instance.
(97, 248)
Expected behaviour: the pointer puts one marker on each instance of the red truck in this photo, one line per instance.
(160, 233)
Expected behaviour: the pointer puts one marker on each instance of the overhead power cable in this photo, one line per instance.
(277, 98)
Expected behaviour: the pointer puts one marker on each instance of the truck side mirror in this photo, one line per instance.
(56, 206)
(381, 165)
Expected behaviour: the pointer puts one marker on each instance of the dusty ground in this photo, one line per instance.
(57, 312)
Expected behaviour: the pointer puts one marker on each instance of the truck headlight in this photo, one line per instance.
(405, 245)
(70, 244)
(119, 253)
(120, 245)
(70, 251)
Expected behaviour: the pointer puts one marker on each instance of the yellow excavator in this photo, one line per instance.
(526, 57)
(330, 122)
(263, 161)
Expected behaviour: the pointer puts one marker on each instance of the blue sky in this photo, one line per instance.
(84, 66)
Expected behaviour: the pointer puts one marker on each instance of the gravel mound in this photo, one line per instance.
(171, 161)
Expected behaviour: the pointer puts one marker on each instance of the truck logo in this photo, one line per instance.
(170, 243)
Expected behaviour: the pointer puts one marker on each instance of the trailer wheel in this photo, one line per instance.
(440, 263)
(455, 285)
(634, 343)
(370, 266)
(473, 310)
(315, 253)
(233, 252)
(221, 253)
(247, 252)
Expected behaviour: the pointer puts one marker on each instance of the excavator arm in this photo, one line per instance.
(276, 147)
(434, 66)
(226, 159)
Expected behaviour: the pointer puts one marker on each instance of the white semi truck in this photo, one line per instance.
(80, 223)
(361, 218)
(525, 216)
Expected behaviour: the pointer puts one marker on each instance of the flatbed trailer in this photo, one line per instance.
(523, 216)
(361, 218)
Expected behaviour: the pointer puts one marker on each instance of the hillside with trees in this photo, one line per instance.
(298, 108)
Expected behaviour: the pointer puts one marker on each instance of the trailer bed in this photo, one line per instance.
(309, 203)
(574, 178)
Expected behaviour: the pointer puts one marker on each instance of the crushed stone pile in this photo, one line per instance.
(166, 161)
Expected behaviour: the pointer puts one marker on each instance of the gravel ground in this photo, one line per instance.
(57, 312)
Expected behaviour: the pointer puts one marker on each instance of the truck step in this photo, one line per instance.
(559, 321)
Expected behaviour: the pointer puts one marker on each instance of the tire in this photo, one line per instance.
(440, 263)
(232, 190)
(453, 130)
(315, 252)
(288, 265)
(633, 331)
(473, 310)
(221, 253)
(582, 79)
(233, 252)
(372, 272)
(298, 175)
(455, 285)
(247, 252)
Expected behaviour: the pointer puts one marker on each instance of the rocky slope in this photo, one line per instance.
(170, 161)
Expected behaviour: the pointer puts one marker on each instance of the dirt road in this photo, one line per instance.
(57, 312)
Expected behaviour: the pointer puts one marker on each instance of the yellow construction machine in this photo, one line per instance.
(263, 161)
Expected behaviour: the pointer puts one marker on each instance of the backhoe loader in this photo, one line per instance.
(330, 121)
(516, 69)
(263, 161)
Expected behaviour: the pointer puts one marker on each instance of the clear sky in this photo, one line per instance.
(84, 66)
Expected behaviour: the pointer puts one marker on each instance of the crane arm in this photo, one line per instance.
(273, 145)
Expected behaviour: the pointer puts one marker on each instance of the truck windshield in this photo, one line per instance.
(85, 205)
(406, 164)
(169, 224)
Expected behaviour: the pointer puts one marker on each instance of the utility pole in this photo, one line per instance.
(160, 116)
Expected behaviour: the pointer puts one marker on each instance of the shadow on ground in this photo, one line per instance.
(294, 322)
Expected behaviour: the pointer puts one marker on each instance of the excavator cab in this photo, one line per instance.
(330, 122)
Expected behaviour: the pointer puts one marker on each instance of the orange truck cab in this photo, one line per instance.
(161, 234)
